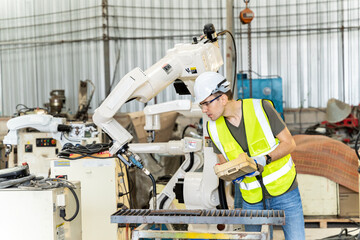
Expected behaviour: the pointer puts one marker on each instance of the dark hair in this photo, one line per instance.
(229, 94)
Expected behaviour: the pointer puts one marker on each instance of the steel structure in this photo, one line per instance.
(239, 216)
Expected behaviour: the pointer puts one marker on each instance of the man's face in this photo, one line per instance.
(212, 106)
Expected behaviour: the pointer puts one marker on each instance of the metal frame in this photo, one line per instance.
(147, 218)
(144, 231)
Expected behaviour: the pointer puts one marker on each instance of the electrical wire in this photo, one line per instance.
(83, 151)
(77, 206)
(26, 109)
(235, 53)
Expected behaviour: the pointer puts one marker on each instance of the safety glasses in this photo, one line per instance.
(207, 103)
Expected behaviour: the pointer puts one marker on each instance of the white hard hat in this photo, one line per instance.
(209, 83)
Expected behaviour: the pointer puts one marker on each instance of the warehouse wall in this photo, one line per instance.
(312, 44)
(48, 45)
(53, 44)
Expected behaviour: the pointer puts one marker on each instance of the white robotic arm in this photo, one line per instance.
(75, 133)
(184, 62)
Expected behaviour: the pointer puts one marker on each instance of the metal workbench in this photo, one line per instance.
(148, 217)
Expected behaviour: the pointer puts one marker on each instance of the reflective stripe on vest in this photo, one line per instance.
(259, 136)
(269, 178)
(215, 138)
(265, 125)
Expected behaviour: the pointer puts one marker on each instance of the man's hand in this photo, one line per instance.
(252, 174)
(260, 160)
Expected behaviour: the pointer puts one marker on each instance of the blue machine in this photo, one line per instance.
(264, 88)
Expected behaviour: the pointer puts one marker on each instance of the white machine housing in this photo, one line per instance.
(100, 183)
(49, 124)
(35, 214)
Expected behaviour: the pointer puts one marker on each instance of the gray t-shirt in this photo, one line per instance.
(238, 132)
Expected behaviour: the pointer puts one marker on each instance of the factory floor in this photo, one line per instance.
(317, 233)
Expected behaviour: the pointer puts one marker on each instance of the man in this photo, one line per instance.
(253, 126)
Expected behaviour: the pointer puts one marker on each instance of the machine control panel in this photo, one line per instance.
(45, 142)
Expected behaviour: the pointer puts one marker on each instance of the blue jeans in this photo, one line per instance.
(294, 228)
(238, 200)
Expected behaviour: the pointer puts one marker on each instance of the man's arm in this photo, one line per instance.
(286, 145)
(221, 158)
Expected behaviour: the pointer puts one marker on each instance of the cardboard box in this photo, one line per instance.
(236, 168)
(167, 121)
(348, 202)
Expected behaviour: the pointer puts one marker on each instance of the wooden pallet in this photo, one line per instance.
(323, 222)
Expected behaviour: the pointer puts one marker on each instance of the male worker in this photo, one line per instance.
(253, 126)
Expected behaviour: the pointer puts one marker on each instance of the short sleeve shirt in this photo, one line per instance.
(277, 125)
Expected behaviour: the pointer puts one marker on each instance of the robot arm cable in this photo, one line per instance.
(235, 53)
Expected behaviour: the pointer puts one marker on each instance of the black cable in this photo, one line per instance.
(26, 109)
(222, 195)
(84, 151)
(14, 182)
(184, 131)
(161, 206)
(77, 205)
(191, 164)
(154, 184)
(235, 53)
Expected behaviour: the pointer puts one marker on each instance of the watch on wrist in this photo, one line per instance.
(268, 159)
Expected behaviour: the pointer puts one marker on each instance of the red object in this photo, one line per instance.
(351, 121)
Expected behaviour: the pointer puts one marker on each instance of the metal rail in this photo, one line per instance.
(238, 216)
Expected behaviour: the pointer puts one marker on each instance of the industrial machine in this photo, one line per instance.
(34, 213)
(37, 147)
(184, 62)
(104, 189)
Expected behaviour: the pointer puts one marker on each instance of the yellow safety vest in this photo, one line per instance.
(277, 176)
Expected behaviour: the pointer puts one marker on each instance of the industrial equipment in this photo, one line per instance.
(184, 62)
(36, 148)
(34, 213)
(265, 87)
(104, 189)
(246, 15)
(57, 102)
